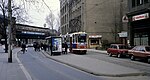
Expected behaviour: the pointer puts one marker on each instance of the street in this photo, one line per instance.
(42, 68)
(139, 65)
(74, 40)
(92, 66)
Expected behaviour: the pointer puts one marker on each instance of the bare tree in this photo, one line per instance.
(20, 13)
(58, 21)
(17, 11)
(50, 20)
(4, 23)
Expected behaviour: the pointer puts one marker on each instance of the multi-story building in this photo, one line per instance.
(101, 19)
(64, 14)
(139, 22)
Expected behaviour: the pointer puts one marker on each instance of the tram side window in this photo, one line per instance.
(74, 38)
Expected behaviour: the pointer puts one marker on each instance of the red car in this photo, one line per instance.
(140, 52)
(118, 49)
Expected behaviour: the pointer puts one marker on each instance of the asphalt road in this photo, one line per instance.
(138, 64)
(41, 68)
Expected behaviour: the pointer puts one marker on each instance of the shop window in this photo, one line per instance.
(94, 42)
(140, 39)
(144, 41)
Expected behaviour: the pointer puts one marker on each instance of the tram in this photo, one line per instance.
(77, 42)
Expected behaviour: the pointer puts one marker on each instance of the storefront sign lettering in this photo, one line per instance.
(140, 17)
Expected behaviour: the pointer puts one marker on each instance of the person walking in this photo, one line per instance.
(44, 47)
(66, 48)
(23, 46)
(35, 46)
(63, 48)
(38, 47)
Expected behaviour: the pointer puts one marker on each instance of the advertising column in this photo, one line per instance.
(56, 45)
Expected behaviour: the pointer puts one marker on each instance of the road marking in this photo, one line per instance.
(23, 68)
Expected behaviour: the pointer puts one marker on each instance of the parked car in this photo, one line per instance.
(118, 49)
(140, 52)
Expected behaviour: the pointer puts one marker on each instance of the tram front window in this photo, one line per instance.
(82, 39)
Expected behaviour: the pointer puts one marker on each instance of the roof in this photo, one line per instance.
(30, 26)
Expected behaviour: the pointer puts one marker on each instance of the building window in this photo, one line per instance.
(133, 3)
(145, 1)
(139, 2)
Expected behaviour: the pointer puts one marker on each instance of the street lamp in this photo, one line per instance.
(9, 31)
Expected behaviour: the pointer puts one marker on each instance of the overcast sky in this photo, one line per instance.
(38, 12)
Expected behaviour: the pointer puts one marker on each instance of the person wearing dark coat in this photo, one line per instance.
(63, 48)
(44, 47)
(66, 47)
(23, 46)
(35, 46)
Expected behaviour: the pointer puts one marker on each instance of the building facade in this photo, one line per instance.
(64, 16)
(104, 17)
(139, 22)
(100, 19)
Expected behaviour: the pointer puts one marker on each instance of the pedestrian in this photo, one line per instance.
(63, 48)
(38, 47)
(44, 47)
(35, 46)
(23, 46)
(66, 47)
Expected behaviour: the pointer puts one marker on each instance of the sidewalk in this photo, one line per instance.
(10, 71)
(95, 66)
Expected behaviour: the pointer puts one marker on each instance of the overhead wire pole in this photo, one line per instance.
(9, 32)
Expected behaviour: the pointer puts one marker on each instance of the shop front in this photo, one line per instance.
(140, 29)
(123, 37)
(94, 41)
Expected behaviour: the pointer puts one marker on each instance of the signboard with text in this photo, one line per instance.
(140, 17)
(123, 34)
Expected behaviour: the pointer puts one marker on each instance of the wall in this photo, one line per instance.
(104, 17)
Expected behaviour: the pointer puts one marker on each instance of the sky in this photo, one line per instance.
(38, 11)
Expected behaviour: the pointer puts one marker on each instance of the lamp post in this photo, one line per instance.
(9, 31)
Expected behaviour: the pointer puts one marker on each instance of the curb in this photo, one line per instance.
(94, 73)
(97, 51)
